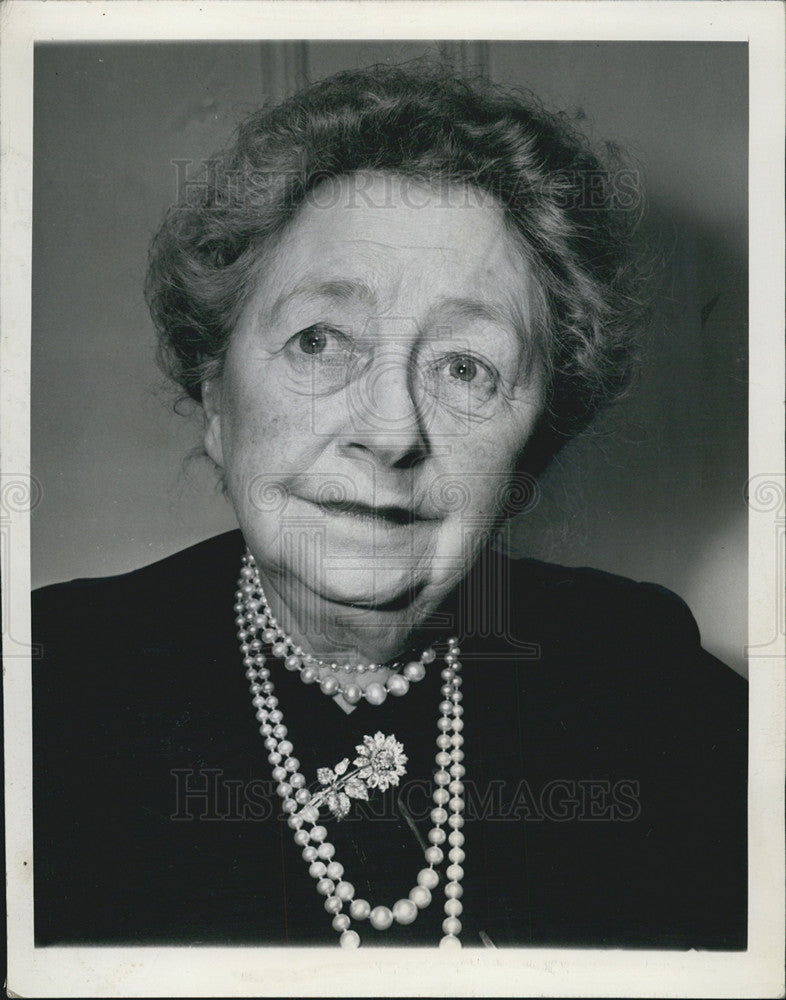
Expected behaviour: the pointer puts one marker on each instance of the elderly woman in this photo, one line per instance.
(394, 300)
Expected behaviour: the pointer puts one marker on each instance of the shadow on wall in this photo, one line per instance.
(656, 488)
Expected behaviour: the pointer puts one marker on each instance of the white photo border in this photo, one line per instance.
(266, 971)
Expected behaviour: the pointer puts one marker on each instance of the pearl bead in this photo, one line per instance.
(457, 740)
(455, 873)
(438, 815)
(456, 788)
(428, 655)
(352, 694)
(302, 796)
(274, 758)
(397, 685)
(451, 925)
(279, 774)
(308, 675)
(453, 890)
(404, 911)
(456, 804)
(359, 909)
(436, 835)
(433, 855)
(441, 778)
(297, 780)
(456, 855)
(457, 770)
(285, 747)
(450, 941)
(455, 838)
(456, 821)
(349, 939)
(317, 869)
(292, 662)
(310, 814)
(340, 922)
(329, 686)
(428, 877)
(420, 896)
(309, 854)
(375, 693)
(325, 887)
(293, 822)
(457, 755)
(333, 904)
(414, 671)
(381, 918)
(444, 742)
(335, 870)
(457, 725)
(345, 890)
(301, 838)
(318, 833)
(447, 674)
(326, 851)
(453, 908)
(284, 790)
(443, 758)
(441, 796)
(446, 690)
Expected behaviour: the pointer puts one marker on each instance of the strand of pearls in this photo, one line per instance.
(303, 819)
(254, 614)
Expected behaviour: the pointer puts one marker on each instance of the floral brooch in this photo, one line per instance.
(379, 764)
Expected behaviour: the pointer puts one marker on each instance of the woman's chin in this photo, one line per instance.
(370, 590)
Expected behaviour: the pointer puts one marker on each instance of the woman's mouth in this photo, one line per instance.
(383, 514)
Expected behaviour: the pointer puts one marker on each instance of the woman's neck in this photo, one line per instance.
(344, 634)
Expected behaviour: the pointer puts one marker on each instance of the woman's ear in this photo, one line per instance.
(211, 404)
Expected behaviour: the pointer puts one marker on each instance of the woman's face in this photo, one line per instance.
(375, 397)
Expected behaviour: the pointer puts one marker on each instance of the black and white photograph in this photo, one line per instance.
(394, 565)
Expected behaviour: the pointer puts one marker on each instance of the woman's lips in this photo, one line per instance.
(393, 515)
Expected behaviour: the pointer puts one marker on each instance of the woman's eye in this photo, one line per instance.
(464, 377)
(463, 368)
(322, 342)
(323, 355)
(313, 341)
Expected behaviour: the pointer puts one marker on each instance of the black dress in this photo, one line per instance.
(605, 755)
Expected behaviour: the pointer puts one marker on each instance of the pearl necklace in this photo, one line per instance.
(303, 818)
(256, 610)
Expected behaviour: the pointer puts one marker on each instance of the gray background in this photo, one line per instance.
(655, 491)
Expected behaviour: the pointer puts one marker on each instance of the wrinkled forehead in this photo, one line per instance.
(395, 243)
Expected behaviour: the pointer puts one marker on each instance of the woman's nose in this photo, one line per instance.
(383, 416)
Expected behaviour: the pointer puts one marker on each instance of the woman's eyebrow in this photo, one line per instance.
(467, 308)
(341, 290)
